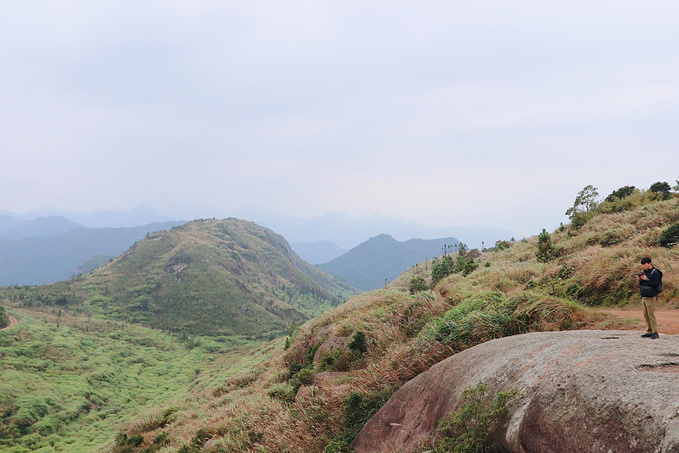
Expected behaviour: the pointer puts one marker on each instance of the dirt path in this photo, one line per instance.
(12, 322)
(668, 319)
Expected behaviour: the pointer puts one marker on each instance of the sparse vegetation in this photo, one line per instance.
(70, 387)
(468, 429)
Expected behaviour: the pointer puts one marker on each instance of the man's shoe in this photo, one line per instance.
(647, 335)
(654, 336)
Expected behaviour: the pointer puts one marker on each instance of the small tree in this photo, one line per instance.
(621, 193)
(676, 188)
(545, 248)
(417, 285)
(358, 342)
(584, 203)
(442, 268)
(661, 188)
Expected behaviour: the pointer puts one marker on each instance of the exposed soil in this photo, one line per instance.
(668, 319)
(12, 322)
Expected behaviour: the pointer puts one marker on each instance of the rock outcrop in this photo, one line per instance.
(578, 391)
(327, 347)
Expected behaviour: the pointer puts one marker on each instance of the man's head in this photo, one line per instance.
(646, 263)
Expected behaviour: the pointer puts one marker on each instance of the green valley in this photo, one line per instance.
(67, 382)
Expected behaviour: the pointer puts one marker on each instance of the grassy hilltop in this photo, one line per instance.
(554, 281)
(207, 277)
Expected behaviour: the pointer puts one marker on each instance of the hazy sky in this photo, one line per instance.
(441, 112)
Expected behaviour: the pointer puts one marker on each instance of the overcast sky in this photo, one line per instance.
(441, 112)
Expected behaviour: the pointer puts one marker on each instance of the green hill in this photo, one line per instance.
(373, 263)
(207, 277)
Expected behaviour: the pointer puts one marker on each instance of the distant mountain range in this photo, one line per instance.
(50, 249)
(309, 237)
(317, 252)
(382, 258)
(347, 231)
(141, 215)
(56, 245)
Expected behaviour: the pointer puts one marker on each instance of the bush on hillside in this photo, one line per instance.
(668, 238)
(464, 264)
(4, 319)
(661, 188)
(501, 245)
(358, 343)
(359, 408)
(442, 268)
(468, 429)
(417, 285)
(487, 315)
(621, 193)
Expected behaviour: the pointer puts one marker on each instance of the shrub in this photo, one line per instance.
(621, 193)
(501, 245)
(468, 266)
(358, 342)
(283, 392)
(359, 408)
(161, 439)
(201, 437)
(305, 376)
(417, 285)
(442, 268)
(135, 440)
(337, 447)
(4, 319)
(661, 188)
(468, 429)
(670, 236)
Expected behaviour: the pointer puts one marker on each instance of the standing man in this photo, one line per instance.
(648, 285)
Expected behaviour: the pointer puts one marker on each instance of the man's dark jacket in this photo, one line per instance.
(649, 288)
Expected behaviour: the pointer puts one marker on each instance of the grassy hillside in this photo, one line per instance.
(68, 382)
(373, 263)
(394, 334)
(212, 277)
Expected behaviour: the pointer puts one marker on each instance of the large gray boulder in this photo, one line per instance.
(578, 391)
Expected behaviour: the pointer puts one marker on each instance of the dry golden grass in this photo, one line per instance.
(592, 265)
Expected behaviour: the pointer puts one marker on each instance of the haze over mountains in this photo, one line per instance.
(57, 246)
(379, 260)
(41, 258)
(316, 239)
